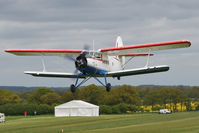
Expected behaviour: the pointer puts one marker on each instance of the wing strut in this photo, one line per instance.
(127, 62)
(43, 63)
(147, 63)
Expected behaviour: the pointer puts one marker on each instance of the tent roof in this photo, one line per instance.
(77, 104)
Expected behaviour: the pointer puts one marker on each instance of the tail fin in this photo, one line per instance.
(119, 43)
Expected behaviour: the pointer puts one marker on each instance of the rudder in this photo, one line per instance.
(119, 43)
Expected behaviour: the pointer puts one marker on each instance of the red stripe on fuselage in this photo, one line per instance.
(116, 57)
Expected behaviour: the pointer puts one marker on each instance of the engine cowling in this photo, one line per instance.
(81, 62)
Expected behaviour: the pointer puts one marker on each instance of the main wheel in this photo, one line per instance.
(72, 88)
(108, 87)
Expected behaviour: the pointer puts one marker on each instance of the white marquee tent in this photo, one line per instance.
(76, 108)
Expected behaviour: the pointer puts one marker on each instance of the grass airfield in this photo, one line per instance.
(185, 122)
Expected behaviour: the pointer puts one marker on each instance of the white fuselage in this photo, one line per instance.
(98, 64)
(112, 64)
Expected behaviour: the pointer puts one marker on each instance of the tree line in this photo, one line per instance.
(120, 99)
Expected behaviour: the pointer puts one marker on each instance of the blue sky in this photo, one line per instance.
(70, 24)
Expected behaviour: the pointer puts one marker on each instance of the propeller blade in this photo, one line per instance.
(76, 71)
(86, 50)
(70, 58)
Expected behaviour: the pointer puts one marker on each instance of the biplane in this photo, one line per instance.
(101, 63)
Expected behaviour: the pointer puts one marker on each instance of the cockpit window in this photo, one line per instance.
(92, 54)
(97, 55)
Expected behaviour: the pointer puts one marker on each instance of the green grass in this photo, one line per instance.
(186, 122)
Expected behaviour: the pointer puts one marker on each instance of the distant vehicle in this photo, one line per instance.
(164, 111)
(2, 117)
(105, 62)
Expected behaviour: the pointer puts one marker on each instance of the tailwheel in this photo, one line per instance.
(108, 87)
(72, 88)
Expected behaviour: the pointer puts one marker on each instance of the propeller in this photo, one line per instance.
(71, 58)
(80, 61)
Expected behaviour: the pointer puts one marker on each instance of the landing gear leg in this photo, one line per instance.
(106, 85)
(76, 85)
(73, 87)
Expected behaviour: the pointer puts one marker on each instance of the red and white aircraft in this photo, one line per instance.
(107, 62)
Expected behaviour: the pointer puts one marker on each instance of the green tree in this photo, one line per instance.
(68, 96)
(123, 94)
(92, 94)
(178, 97)
(8, 97)
(116, 109)
(165, 96)
(123, 107)
(188, 104)
(197, 107)
(194, 92)
(182, 99)
(105, 109)
(37, 94)
(50, 98)
(152, 98)
(142, 91)
(132, 108)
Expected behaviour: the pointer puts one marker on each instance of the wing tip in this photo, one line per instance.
(7, 50)
(187, 41)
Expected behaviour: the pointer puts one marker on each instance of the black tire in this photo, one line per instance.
(108, 87)
(72, 88)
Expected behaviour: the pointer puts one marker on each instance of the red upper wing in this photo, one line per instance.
(43, 52)
(146, 47)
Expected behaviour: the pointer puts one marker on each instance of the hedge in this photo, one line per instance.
(20, 108)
